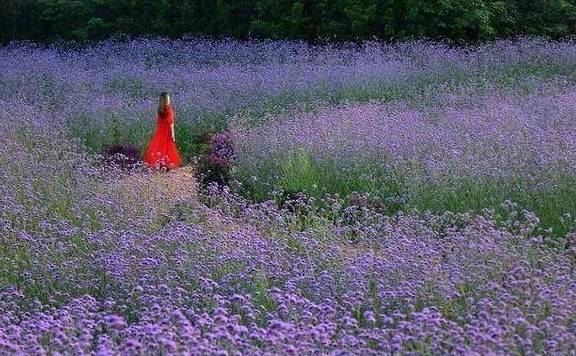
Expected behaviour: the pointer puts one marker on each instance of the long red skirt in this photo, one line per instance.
(162, 151)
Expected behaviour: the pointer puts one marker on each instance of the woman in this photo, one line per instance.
(161, 151)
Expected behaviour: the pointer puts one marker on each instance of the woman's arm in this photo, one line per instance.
(171, 117)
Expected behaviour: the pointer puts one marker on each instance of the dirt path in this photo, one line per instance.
(145, 197)
(149, 197)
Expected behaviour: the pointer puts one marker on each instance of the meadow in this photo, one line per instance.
(385, 198)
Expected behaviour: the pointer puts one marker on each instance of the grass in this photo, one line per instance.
(13, 261)
(113, 128)
(299, 172)
(95, 132)
(549, 203)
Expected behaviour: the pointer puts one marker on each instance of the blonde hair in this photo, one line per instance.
(163, 102)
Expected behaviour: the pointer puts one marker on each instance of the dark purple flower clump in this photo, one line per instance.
(125, 156)
(215, 165)
(221, 150)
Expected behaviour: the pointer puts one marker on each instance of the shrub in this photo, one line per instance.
(216, 163)
(126, 156)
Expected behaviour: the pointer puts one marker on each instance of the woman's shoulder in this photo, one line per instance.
(168, 109)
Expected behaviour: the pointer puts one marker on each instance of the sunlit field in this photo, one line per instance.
(383, 198)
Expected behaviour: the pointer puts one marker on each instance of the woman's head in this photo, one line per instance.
(163, 101)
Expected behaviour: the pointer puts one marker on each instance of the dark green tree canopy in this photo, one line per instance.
(340, 20)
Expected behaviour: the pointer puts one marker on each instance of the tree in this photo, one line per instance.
(453, 19)
(459, 20)
(15, 19)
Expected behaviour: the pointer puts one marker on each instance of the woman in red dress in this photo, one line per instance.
(161, 151)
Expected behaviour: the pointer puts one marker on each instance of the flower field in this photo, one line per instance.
(409, 198)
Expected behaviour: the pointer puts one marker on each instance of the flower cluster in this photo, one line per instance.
(221, 152)
(126, 156)
(217, 163)
(252, 281)
(99, 260)
(493, 136)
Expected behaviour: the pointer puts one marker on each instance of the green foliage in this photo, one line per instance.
(457, 20)
(551, 199)
(299, 174)
(549, 203)
(454, 19)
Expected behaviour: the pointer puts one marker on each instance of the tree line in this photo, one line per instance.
(336, 20)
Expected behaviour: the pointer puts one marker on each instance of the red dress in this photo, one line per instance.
(162, 151)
